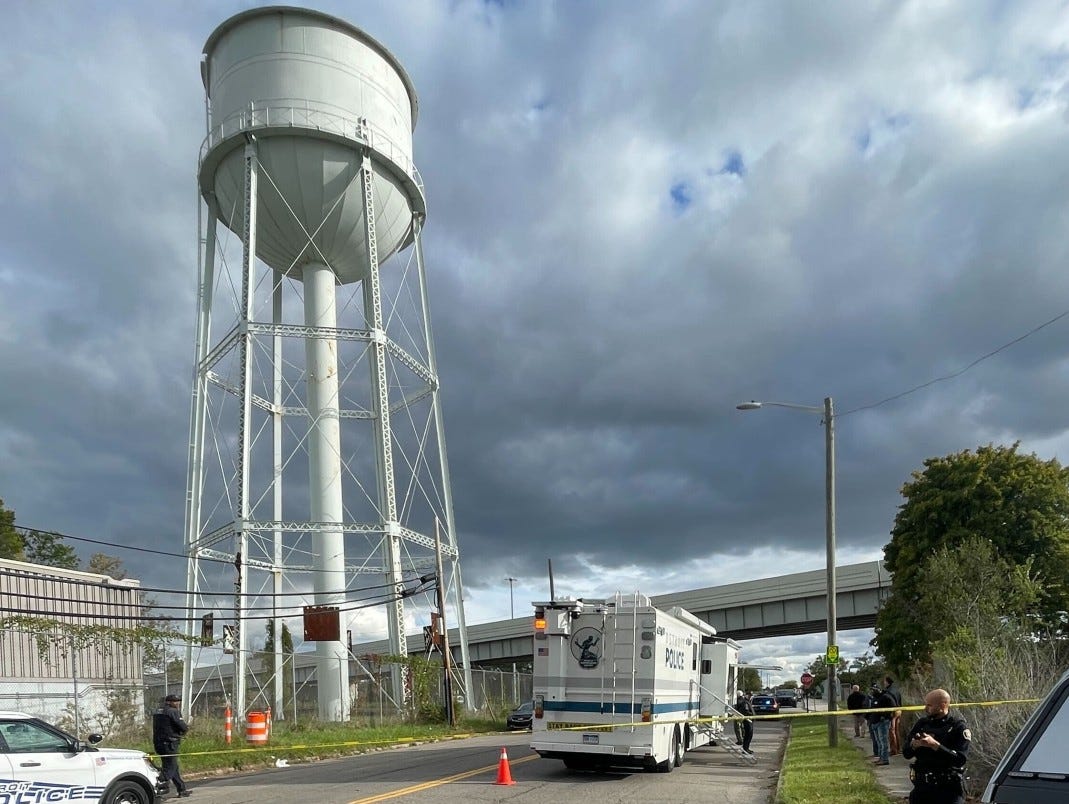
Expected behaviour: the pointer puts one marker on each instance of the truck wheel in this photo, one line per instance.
(127, 792)
(668, 764)
(681, 749)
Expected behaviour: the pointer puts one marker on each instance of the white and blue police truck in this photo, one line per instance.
(620, 682)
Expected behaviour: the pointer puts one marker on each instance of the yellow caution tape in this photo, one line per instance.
(555, 726)
(781, 716)
(303, 747)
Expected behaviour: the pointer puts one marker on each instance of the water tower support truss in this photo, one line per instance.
(279, 389)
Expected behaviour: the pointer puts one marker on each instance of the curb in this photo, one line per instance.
(782, 756)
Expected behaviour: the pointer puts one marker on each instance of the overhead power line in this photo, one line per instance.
(117, 586)
(183, 556)
(959, 372)
(78, 615)
(140, 606)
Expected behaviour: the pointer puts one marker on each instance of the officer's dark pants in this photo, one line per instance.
(169, 759)
(747, 734)
(935, 795)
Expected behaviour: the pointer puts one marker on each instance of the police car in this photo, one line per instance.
(39, 762)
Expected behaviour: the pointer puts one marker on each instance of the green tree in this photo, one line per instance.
(1017, 503)
(287, 639)
(990, 645)
(819, 670)
(10, 541)
(865, 671)
(268, 658)
(103, 564)
(49, 549)
(749, 680)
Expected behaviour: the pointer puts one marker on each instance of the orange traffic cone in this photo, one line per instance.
(504, 774)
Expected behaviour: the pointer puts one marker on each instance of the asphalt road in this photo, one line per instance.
(464, 771)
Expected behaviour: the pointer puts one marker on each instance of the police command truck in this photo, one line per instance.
(620, 682)
(41, 763)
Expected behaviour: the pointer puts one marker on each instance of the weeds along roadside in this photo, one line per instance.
(205, 750)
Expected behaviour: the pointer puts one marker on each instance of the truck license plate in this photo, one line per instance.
(590, 739)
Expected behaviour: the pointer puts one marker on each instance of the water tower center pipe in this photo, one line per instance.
(324, 481)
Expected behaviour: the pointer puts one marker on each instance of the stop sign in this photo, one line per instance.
(807, 679)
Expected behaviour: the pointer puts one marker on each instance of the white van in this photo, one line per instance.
(39, 762)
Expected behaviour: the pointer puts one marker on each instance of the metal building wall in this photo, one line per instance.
(57, 594)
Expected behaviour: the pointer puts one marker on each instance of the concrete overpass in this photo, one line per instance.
(768, 607)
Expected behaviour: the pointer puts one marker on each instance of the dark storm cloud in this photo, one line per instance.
(874, 197)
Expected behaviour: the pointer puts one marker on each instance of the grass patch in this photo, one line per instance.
(814, 773)
(204, 750)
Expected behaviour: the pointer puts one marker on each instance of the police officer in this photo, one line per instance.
(744, 727)
(939, 742)
(167, 730)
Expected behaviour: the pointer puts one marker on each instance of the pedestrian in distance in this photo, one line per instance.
(168, 728)
(939, 745)
(881, 721)
(857, 702)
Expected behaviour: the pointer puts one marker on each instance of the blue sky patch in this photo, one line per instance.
(681, 196)
(733, 164)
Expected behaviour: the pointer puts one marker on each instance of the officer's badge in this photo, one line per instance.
(967, 735)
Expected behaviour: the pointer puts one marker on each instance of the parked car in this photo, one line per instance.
(520, 717)
(787, 697)
(1035, 768)
(765, 705)
(39, 762)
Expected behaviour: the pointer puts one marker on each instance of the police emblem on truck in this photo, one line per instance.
(586, 647)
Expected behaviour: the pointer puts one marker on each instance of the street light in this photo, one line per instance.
(828, 412)
(512, 611)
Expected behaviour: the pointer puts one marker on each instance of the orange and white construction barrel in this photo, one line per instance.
(256, 728)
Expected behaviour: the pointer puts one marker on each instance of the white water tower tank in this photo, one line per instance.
(313, 90)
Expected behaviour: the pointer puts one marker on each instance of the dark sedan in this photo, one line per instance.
(787, 698)
(765, 705)
(520, 717)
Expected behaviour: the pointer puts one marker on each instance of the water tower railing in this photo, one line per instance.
(350, 128)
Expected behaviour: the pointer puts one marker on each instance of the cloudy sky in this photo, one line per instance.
(641, 214)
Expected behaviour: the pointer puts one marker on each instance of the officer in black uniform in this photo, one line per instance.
(167, 730)
(939, 744)
(744, 726)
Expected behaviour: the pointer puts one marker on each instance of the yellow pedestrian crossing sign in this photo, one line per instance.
(832, 657)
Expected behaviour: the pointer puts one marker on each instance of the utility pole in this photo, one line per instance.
(829, 490)
(512, 609)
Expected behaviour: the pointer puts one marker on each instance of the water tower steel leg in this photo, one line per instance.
(195, 474)
(443, 458)
(276, 427)
(324, 480)
(248, 265)
(380, 401)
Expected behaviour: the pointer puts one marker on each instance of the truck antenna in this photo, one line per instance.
(549, 561)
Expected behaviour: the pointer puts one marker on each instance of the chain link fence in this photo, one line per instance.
(494, 690)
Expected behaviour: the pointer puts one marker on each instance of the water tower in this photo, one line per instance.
(317, 469)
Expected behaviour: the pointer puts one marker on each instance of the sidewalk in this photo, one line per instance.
(893, 778)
